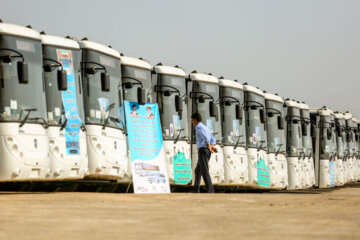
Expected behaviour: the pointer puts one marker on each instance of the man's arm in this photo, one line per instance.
(212, 140)
(203, 134)
(212, 144)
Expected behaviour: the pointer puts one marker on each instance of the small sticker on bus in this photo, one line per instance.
(92, 113)
(98, 114)
(7, 111)
(57, 111)
(50, 116)
(13, 104)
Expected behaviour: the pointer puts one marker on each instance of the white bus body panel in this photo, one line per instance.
(278, 170)
(347, 170)
(294, 173)
(309, 172)
(351, 169)
(235, 165)
(24, 153)
(303, 173)
(339, 173)
(358, 169)
(169, 145)
(107, 151)
(216, 165)
(253, 157)
(63, 165)
(324, 174)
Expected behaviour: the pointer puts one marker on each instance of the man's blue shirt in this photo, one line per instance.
(203, 136)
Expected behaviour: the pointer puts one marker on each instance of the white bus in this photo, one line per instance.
(24, 144)
(65, 109)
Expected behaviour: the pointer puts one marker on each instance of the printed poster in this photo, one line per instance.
(146, 148)
(181, 164)
(72, 129)
(332, 174)
(263, 176)
(182, 168)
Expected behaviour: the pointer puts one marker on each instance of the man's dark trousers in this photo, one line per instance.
(202, 169)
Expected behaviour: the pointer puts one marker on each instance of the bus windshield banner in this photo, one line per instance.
(73, 125)
(146, 148)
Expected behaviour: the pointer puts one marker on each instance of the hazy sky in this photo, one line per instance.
(306, 50)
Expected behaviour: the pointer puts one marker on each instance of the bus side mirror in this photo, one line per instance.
(328, 133)
(23, 72)
(304, 129)
(348, 137)
(213, 109)
(313, 131)
(178, 103)
(262, 115)
(201, 99)
(338, 131)
(280, 122)
(105, 82)
(238, 112)
(128, 85)
(141, 96)
(62, 80)
(167, 93)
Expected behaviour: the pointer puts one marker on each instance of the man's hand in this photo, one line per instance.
(213, 149)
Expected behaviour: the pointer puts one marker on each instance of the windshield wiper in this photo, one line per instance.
(29, 110)
(300, 155)
(107, 120)
(177, 137)
(115, 120)
(63, 125)
(237, 142)
(111, 106)
(44, 123)
(262, 142)
(278, 151)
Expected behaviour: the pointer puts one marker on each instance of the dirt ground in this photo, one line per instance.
(326, 215)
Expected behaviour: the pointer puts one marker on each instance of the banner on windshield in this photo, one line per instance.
(146, 147)
(73, 125)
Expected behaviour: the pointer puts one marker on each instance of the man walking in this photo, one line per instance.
(205, 145)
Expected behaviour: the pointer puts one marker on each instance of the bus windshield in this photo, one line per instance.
(213, 123)
(255, 130)
(17, 99)
(340, 137)
(98, 105)
(233, 129)
(172, 122)
(276, 136)
(306, 139)
(136, 76)
(54, 100)
(294, 135)
(326, 148)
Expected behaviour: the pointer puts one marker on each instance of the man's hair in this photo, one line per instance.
(196, 116)
(133, 106)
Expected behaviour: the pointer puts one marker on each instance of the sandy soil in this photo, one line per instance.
(325, 215)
